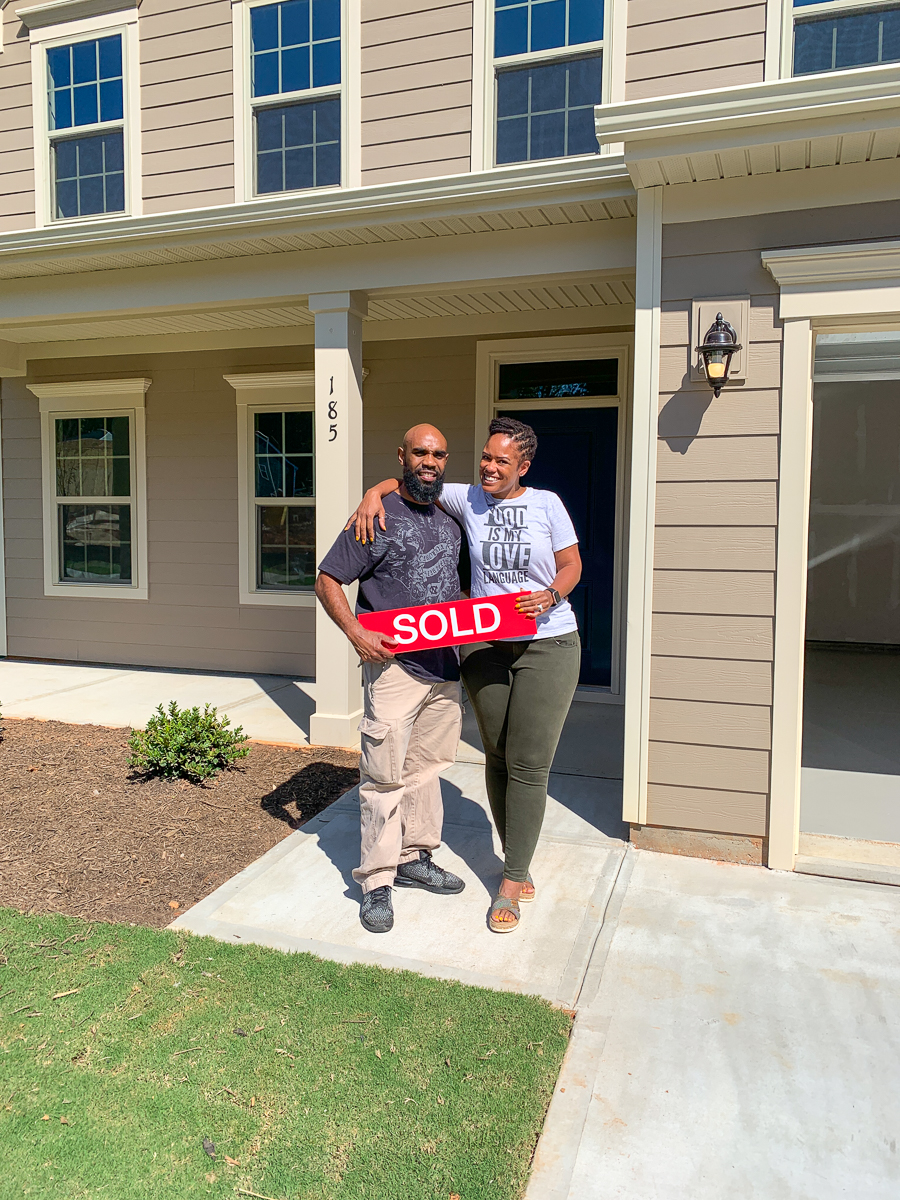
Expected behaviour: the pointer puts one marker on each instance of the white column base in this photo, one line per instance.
(326, 729)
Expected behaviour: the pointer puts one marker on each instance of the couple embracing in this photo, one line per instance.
(403, 546)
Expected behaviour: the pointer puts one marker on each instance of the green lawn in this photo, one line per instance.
(119, 1055)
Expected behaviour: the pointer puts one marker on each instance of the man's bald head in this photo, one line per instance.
(423, 457)
(424, 435)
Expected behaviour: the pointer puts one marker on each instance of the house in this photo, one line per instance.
(245, 243)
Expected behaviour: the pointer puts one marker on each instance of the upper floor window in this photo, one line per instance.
(85, 94)
(295, 53)
(836, 35)
(548, 64)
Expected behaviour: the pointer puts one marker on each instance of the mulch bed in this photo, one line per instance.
(81, 834)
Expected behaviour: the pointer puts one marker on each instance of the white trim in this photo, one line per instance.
(349, 91)
(830, 265)
(126, 24)
(823, 282)
(351, 114)
(274, 391)
(823, 287)
(777, 13)
(3, 637)
(76, 396)
(480, 95)
(615, 35)
(109, 397)
(489, 357)
(37, 16)
(790, 593)
(771, 105)
(644, 440)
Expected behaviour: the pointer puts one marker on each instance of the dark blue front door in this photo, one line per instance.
(576, 458)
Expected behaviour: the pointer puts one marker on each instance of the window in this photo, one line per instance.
(85, 93)
(548, 65)
(283, 470)
(276, 487)
(837, 35)
(94, 488)
(295, 90)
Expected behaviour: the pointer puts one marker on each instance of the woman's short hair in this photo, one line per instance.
(523, 435)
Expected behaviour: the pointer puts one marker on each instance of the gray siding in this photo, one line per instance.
(187, 107)
(416, 89)
(16, 126)
(192, 618)
(679, 46)
(716, 519)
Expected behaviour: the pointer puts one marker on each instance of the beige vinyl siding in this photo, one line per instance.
(187, 107)
(679, 46)
(16, 126)
(416, 89)
(410, 382)
(193, 617)
(716, 523)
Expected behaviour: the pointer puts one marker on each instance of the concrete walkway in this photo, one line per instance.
(737, 1036)
(301, 895)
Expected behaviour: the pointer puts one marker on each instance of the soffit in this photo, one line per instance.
(844, 117)
(518, 297)
(530, 197)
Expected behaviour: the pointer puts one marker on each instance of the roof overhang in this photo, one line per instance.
(758, 129)
(528, 196)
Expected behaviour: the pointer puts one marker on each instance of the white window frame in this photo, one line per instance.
(349, 91)
(830, 7)
(107, 398)
(489, 357)
(273, 391)
(484, 98)
(65, 34)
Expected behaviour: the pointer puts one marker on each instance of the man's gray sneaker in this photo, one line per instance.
(377, 912)
(426, 874)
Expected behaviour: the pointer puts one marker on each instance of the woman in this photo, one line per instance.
(520, 538)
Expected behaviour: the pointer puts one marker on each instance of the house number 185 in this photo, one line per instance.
(332, 416)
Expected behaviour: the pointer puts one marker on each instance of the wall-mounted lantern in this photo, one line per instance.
(719, 347)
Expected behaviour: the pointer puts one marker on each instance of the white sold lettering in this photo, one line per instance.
(405, 628)
(480, 626)
(433, 624)
(433, 637)
(457, 632)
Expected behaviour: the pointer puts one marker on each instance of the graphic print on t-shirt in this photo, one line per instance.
(425, 570)
(507, 551)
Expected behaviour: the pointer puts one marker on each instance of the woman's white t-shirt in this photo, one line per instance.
(512, 545)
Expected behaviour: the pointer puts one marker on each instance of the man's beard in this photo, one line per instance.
(421, 491)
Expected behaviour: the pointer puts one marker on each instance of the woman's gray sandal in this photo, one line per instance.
(504, 904)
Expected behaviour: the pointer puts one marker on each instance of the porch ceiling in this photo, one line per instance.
(517, 297)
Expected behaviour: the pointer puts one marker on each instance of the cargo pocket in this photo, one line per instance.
(378, 746)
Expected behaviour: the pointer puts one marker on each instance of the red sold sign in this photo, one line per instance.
(430, 626)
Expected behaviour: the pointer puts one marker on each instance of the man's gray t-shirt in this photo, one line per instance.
(415, 562)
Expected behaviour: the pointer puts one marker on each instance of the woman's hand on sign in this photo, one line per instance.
(533, 604)
(373, 647)
(371, 509)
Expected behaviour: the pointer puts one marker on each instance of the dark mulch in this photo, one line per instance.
(81, 834)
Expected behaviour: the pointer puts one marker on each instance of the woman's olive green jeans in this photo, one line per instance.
(521, 692)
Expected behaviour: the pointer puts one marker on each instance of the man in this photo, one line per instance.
(413, 713)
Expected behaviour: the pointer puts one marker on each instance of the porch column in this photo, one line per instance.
(339, 419)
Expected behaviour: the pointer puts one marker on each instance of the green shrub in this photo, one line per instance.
(186, 743)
